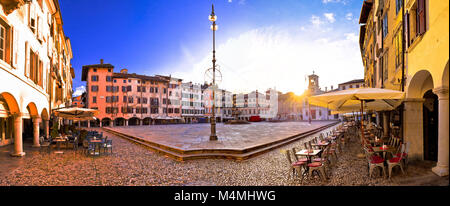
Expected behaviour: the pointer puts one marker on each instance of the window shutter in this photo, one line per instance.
(421, 17)
(407, 29)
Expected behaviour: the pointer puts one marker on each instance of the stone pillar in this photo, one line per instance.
(386, 124)
(18, 142)
(441, 168)
(100, 124)
(36, 122)
(111, 123)
(126, 122)
(413, 127)
(46, 128)
(88, 124)
(140, 122)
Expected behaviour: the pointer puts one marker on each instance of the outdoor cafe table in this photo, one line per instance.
(321, 144)
(305, 152)
(389, 149)
(98, 143)
(58, 141)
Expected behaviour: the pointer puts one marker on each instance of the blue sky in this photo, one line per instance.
(260, 43)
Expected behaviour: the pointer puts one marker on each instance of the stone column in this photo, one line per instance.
(100, 124)
(111, 123)
(441, 168)
(36, 122)
(18, 143)
(88, 124)
(386, 124)
(46, 128)
(413, 127)
(126, 122)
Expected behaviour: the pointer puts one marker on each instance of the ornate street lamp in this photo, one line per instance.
(214, 27)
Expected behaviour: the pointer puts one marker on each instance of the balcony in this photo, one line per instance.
(10, 5)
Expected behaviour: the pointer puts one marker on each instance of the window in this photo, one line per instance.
(94, 99)
(398, 5)
(385, 26)
(94, 78)
(156, 89)
(385, 67)
(165, 90)
(151, 90)
(124, 81)
(95, 70)
(108, 78)
(398, 48)
(129, 88)
(2, 42)
(420, 17)
(124, 99)
(130, 99)
(124, 89)
(94, 88)
(139, 89)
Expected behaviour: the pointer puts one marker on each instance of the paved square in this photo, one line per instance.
(196, 136)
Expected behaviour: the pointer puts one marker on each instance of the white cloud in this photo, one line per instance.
(280, 57)
(78, 91)
(315, 20)
(352, 37)
(334, 1)
(229, 1)
(349, 16)
(330, 17)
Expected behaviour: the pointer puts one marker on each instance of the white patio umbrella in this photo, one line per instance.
(363, 98)
(76, 113)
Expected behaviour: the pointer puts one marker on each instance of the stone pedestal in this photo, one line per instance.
(441, 168)
(36, 122)
(413, 127)
(18, 143)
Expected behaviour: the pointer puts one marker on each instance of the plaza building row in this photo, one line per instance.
(131, 99)
(35, 70)
(293, 107)
(405, 46)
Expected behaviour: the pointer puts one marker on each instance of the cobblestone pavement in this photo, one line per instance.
(196, 136)
(132, 164)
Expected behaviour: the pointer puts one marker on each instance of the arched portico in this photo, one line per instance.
(106, 122)
(420, 83)
(12, 117)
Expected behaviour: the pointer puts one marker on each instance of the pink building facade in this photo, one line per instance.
(130, 99)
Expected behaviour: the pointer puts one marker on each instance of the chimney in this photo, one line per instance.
(326, 89)
(331, 87)
(101, 61)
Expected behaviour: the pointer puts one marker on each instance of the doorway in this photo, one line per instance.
(430, 126)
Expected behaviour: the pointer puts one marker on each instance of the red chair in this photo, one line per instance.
(295, 167)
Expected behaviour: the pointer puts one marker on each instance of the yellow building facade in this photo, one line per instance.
(412, 53)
